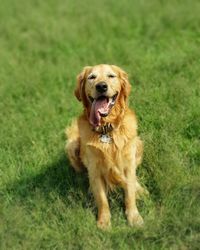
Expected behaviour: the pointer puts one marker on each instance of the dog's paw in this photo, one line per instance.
(104, 222)
(135, 219)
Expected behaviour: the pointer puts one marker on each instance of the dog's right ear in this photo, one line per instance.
(79, 91)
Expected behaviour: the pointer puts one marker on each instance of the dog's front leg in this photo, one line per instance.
(133, 216)
(99, 191)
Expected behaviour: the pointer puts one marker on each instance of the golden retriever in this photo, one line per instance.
(104, 139)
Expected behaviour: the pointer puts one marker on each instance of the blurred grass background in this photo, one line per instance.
(43, 46)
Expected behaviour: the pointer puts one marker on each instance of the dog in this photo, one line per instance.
(104, 139)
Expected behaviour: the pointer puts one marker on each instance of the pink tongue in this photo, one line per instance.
(99, 105)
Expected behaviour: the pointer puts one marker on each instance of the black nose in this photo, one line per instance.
(101, 87)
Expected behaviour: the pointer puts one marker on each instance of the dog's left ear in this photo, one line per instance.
(80, 91)
(126, 86)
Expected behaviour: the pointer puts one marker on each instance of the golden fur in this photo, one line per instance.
(108, 164)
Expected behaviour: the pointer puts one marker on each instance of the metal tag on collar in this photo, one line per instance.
(105, 138)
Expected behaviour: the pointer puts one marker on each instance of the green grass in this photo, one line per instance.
(43, 46)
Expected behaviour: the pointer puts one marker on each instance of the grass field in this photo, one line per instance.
(43, 46)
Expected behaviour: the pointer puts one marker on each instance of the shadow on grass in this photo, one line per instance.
(58, 178)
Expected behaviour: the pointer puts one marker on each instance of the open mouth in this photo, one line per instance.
(101, 107)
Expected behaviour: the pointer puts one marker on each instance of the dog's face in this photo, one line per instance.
(100, 88)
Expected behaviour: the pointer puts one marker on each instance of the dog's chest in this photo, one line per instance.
(107, 151)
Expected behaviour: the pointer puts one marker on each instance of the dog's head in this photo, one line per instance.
(102, 88)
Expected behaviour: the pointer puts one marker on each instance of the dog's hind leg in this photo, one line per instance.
(140, 191)
(72, 147)
(139, 150)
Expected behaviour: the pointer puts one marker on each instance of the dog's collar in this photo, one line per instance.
(104, 133)
(104, 129)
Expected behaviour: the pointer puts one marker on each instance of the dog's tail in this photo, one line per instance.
(72, 147)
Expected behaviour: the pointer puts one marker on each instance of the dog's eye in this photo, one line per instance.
(111, 76)
(91, 77)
